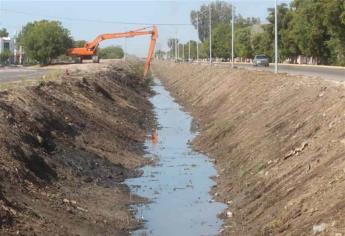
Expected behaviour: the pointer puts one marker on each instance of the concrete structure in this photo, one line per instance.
(7, 43)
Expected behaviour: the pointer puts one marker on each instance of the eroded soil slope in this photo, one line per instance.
(278, 142)
(66, 146)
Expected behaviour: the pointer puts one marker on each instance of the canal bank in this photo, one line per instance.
(67, 145)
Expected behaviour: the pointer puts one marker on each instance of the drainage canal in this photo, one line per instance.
(178, 184)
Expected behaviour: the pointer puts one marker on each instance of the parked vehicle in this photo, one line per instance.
(261, 60)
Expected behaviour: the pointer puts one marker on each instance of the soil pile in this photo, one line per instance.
(278, 142)
(66, 146)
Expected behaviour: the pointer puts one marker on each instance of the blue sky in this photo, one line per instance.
(87, 19)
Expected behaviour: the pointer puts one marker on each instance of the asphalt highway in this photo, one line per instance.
(326, 72)
(13, 74)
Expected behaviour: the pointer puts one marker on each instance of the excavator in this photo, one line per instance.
(89, 51)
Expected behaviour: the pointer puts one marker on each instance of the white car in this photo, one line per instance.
(261, 60)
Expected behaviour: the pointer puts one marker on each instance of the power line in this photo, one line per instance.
(232, 34)
(95, 20)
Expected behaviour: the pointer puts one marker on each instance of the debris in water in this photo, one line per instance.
(229, 214)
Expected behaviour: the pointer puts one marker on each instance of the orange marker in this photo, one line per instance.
(154, 136)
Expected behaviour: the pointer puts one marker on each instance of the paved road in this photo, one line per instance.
(335, 73)
(20, 73)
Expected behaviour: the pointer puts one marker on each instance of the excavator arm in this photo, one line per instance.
(90, 48)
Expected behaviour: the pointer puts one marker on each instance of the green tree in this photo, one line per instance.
(334, 19)
(203, 50)
(45, 40)
(221, 41)
(310, 33)
(79, 43)
(171, 44)
(5, 56)
(220, 12)
(262, 44)
(242, 22)
(111, 52)
(3, 32)
(268, 39)
(243, 46)
(160, 54)
(192, 49)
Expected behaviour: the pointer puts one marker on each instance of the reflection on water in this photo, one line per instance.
(179, 183)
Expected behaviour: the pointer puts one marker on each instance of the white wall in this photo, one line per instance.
(5, 40)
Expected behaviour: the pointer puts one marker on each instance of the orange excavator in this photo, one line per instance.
(90, 48)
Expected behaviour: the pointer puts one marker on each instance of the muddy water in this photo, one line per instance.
(179, 184)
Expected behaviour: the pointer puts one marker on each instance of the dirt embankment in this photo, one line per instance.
(66, 146)
(278, 142)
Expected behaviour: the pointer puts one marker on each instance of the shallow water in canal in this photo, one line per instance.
(179, 183)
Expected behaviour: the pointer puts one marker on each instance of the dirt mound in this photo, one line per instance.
(278, 142)
(66, 146)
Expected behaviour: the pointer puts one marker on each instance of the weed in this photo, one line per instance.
(259, 167)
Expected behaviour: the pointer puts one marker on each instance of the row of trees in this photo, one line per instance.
(46, 40)
(311, 28)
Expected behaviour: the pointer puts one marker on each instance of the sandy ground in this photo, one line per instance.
(278, 142)
(67, 145)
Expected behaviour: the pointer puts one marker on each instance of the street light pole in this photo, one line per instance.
(189, 51)
(276, 37)
(178, 50)
(197, 43)
(175, 43)
(183, 52)
(210, 29)
(232, 33)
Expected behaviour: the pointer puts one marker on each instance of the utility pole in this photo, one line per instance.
(276, 37)
(197, 43)
(189, 51)
(178, 50)
(175, 48)
(183, 52)
(232, 33)
(210, 29)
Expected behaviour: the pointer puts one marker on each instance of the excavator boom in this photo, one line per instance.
(90, 48)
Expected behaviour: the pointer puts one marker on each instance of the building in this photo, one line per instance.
(7, 43)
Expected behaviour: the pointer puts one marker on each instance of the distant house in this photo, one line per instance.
(7, 43)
